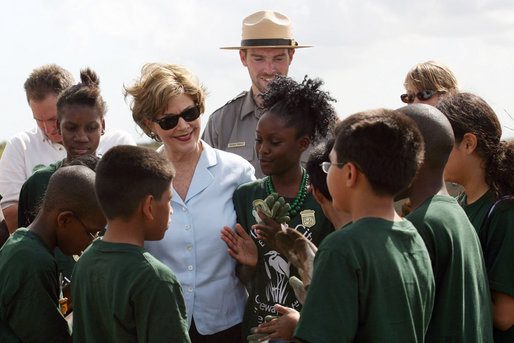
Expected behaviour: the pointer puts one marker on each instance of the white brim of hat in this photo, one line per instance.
(265, 47)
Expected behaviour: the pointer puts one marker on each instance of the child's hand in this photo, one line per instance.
(281, 327)
(267, 231)
(255, 337)
(240, 245)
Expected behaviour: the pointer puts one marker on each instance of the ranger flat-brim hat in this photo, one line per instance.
(267, 29)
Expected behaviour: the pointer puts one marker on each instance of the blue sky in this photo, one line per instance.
(362, 49)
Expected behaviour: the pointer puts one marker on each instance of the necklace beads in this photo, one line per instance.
(297, 204)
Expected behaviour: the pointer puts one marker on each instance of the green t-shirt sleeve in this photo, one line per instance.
(241, 206)
(160, 313)
(330, 312)
(236, 199)
(499, 249)
(34, 314)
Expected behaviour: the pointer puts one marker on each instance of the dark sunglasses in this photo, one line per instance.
(423, 96)
(169, 121)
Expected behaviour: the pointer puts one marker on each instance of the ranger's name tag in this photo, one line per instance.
(236, 145)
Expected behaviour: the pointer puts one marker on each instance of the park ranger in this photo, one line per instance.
(267, 49)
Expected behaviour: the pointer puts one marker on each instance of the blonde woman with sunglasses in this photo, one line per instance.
(428, 82)
(167, 101)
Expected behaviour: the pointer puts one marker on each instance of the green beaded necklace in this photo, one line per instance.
(300, 198)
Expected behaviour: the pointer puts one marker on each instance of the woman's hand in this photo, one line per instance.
(240, 245)
(267, 231)
(281, 327)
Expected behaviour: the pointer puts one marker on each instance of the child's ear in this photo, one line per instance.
(146, 207)
(303, 143)
(64, 218)
(103, 126)
(320, 198)
(352, 174)
(469, 142)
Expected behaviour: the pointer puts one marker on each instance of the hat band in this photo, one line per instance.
(269, 42)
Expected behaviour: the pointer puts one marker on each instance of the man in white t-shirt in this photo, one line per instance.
(40, 146)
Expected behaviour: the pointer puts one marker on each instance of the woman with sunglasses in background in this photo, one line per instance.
(484, 164)
(167, 101)
(428, 82)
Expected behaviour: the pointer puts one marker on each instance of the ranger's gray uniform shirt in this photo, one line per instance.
(232, 128)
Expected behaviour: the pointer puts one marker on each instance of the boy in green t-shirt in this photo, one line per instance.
(121, 292)
(462, 309)
(70, 218)
(372, 279)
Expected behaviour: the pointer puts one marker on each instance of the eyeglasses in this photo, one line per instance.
(326, 165)
(171, 120)
(88, 232)
(423, 96)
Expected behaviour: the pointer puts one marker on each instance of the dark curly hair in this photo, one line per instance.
(468, 113)
(86, 92)
(303, 105)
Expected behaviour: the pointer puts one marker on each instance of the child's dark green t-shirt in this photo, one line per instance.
(271, 280)
(31, 196)
(372, 282)
(32, 193)
(462, 308)
(29, 292)
(496, 232)
(121, 293)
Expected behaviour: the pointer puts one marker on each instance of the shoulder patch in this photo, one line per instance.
(240, 95)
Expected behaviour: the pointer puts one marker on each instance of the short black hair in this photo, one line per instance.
(437, 133)
(71, 188)
(384, 144)
(126, 174)
(88, 160)
(303, 106)
(317, 176)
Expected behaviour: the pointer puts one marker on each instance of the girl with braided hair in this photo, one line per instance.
(483, 164)
(296, 115)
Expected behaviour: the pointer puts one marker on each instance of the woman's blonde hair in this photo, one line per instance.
(160, 82)
(432, 75)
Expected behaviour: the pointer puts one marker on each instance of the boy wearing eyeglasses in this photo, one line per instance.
(29, 282)
(121, 292)
(372, 279)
